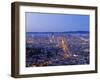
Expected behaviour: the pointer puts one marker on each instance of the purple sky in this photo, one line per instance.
(43, 22)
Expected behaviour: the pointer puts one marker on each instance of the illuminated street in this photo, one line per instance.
(54, 49)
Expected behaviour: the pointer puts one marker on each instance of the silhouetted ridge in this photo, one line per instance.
(74, 32)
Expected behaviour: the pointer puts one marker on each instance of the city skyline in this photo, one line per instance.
(45, 22)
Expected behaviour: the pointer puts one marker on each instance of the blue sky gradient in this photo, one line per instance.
(44, 22)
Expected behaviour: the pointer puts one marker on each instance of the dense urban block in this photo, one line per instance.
(57, 48)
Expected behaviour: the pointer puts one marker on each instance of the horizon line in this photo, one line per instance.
(70, 31)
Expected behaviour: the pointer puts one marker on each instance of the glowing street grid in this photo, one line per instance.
(56, 39)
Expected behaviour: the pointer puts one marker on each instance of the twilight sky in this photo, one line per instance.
(42, 22)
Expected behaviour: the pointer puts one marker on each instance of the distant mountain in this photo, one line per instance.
(77, 32)
(74, 32)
